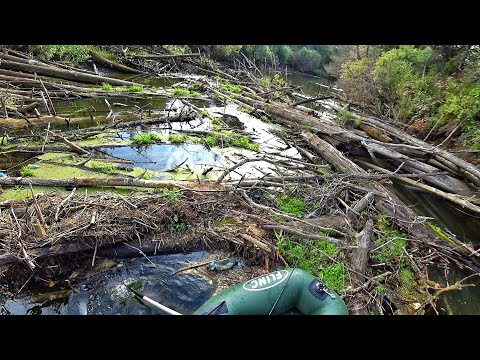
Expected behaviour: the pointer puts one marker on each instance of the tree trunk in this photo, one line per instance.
(114, 65)
(63, 73)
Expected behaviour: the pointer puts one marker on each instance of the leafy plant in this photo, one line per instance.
(291, 205)
(149, 138)
(107, 86)
(171, 195)
(26, 171)
(177, 139)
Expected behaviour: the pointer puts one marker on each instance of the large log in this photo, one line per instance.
(165, 57)
(62, 73)
(463, 168)
(114, 65)
(87, 181)
(399, 213)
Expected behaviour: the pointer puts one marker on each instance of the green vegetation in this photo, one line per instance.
(171, 195)
(245, 110)
(135, 88)
(439, 232)
(177, 139)
(215, 121)
(388, 247)
(185, 92)
(204, 113)
(344, 116)
(26, 171)
(177, 49)
(102, 166)
(292, 205)
(437, 84)
(309, 255)
(149, 138)
(107, 86)
(225, 139)
(176, 225)
(265, 119)
(231, 88)
(70, 54)
(407, 282)
(305, 58)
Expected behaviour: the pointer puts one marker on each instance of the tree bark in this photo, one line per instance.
(62, 73)
(114, 65)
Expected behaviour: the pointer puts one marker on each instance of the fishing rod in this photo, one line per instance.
(154, 303)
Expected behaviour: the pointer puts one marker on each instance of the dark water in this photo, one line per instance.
(308, 83)
(105, 293)
(82, 107)
(163, 157)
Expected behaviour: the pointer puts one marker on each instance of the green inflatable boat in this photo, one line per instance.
(276, 293)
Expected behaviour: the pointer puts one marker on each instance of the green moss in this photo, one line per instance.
(292, 205)
(177, 139)
(245, 110)
(149, 138)
(407, 282)
(215, 121)
(58, 157)
(26, 171)
(204, 113)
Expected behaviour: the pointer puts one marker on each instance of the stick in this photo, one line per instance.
(57, 213)
(195, 266)
(237, 165)
(49, 99)
(256, 242)
(69, 143)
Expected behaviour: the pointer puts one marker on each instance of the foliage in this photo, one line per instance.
(70, 54)
(310, 256)
(291, 205)
(185, 92)
(231, 88)
(135, 88)
(107, 86)
(223, 138)
(176, 225)
(149, 138)
(26, 171)
(177, 139)
(437, 83)
(170, 195)
(388, 246)
(102, 166)
(177, 49)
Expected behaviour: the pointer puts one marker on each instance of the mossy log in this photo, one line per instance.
(114, 65)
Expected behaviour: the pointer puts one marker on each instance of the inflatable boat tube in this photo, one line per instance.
(282, 290)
